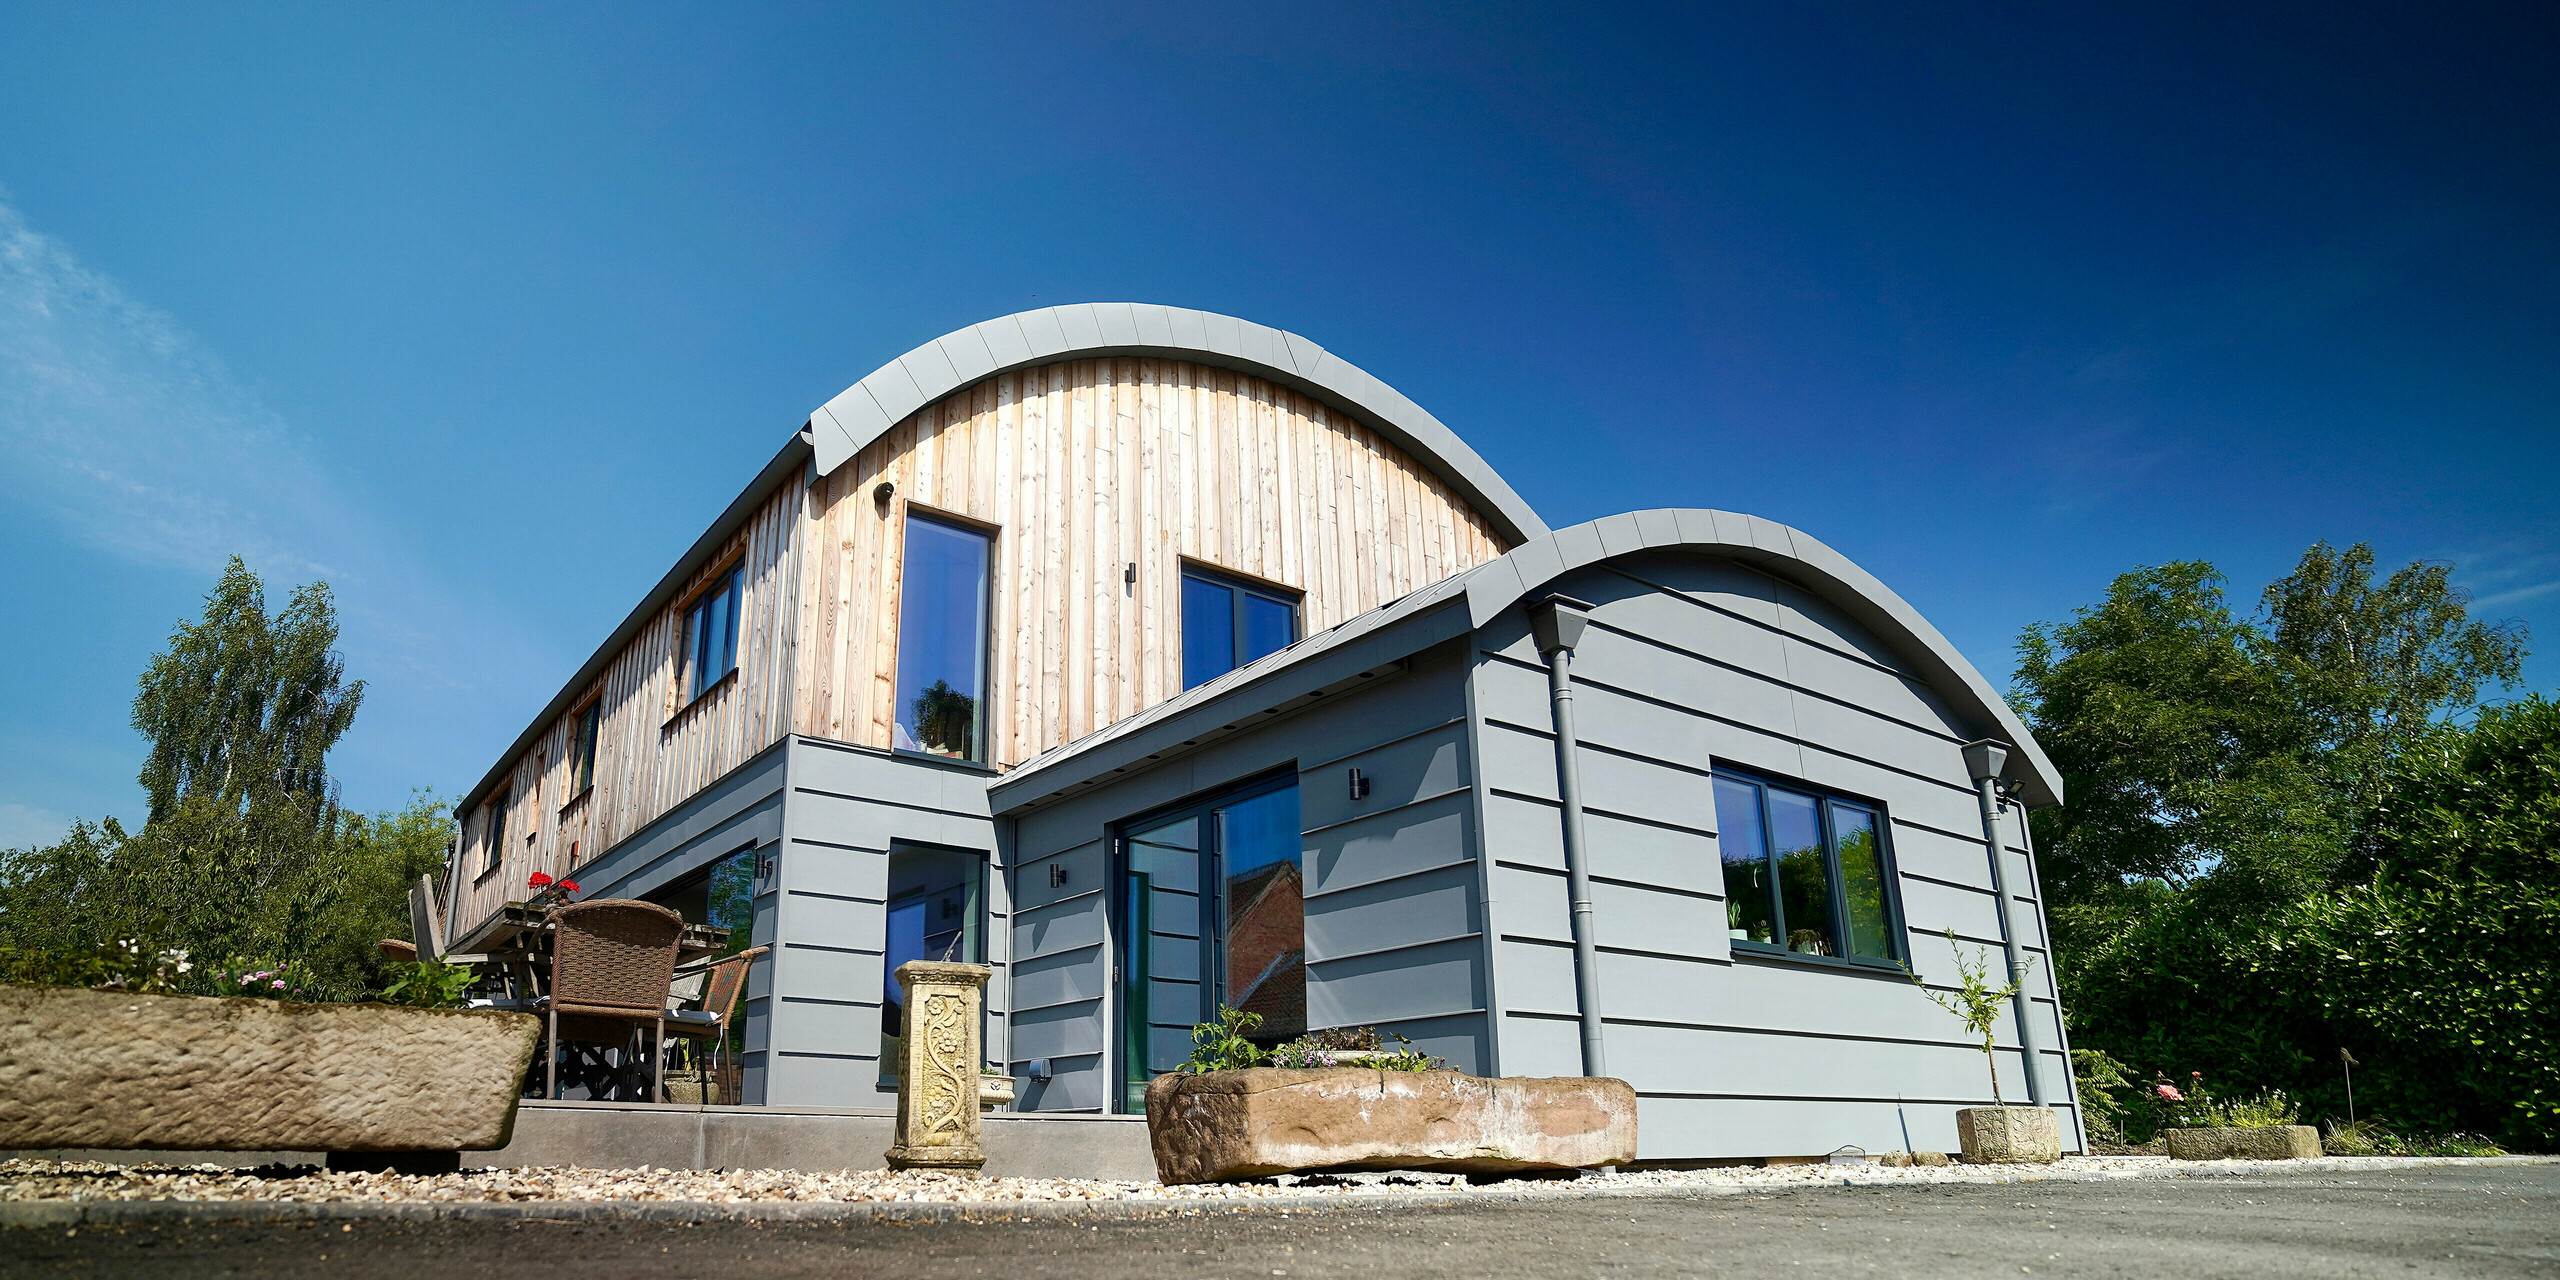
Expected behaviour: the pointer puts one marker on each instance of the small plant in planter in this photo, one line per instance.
(549, 892)
(2197, 1125)
(2000, 1133)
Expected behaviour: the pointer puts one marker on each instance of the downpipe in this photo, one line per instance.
(1984, 760)
(1557, 622)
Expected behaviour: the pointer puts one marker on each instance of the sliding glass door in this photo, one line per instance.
(1211, 911)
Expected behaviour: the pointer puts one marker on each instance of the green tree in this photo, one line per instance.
(243, 706)
(2198, 744)
(246, 858)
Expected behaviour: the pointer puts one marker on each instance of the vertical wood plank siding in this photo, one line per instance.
(1081, 468)
(652, 752)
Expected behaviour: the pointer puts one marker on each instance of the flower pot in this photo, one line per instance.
(104, 1069)
(2256, 1142)
(2009, 1135)
(1223, 1125)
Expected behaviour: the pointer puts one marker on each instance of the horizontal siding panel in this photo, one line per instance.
(1383, 846)
(1536, 904)
(1421, 982)
(1437, 904)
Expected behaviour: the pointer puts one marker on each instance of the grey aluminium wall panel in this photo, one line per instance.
(1692, 663)
(1418, 970)
(746, 809)
(847, 808)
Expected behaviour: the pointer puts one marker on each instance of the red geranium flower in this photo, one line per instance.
(537, 880)
(568, 886)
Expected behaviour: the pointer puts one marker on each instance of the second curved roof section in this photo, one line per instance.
(865, 411)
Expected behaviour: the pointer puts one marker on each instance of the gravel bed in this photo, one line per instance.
(25, 1181)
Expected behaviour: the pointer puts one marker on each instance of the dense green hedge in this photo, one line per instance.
(2439, 969)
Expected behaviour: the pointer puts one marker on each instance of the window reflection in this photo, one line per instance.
(942, 641)
(933, 915)
(1804, 872)
(1185, 952)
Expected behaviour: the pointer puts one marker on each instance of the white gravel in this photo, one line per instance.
(59, 1181)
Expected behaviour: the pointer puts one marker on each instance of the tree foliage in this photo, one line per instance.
(246, 860)
(242, 708)
(2281, 839)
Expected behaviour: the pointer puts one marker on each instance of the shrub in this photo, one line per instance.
(1222, 1045)
(430, 984)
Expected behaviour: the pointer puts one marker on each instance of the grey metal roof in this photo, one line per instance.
(1489, 588)
(847, 424)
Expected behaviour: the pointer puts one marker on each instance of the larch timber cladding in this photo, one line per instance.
(191, 1073)
(653, 749)
(1082, 468)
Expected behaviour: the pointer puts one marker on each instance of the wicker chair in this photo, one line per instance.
(611, 959)
(719, 1009)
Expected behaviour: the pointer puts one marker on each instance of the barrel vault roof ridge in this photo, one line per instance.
(863, 412)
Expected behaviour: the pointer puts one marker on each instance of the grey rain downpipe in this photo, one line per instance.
(1984, 760)
(1557, 622)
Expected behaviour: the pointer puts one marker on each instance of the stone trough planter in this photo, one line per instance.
(85, 1068)
(2259, 1142)
(2009, 1135)
(1224, 1125)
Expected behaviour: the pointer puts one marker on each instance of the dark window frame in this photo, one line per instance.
(1239, 587)
(586, 735)
(1896, 930)
(984, 730)
(731, 583)
(1127, 1034)
(494, 834)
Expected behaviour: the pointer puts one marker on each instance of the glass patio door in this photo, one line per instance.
(1212, 911)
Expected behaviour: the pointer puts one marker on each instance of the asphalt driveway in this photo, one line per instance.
(2478, 1221)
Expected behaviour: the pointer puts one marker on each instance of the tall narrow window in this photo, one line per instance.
(1804, 873)
(497, 831)
(933, 914)
(942, 641)
(711, 631)
(582, 755)
(1212, 911)
(1228, 622)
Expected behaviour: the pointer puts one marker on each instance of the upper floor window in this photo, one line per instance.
(497, 832)
(1804, 872)
(711, 634)
(582, 752)
(942, 641)
(1228, 622)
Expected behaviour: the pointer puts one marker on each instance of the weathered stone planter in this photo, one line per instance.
(1225, 1125)
(2009, 1135)
(2262, 1142)
(192, 1073)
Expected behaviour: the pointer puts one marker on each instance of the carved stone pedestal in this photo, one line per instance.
(938, 1079)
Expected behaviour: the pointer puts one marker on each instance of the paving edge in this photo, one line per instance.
(80, 1213)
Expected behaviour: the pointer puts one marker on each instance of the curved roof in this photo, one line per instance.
(844, 426)
(1498, 584)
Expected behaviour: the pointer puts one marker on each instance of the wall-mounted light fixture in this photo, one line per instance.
(883, 493)
(1359, 785)
(1057, 875)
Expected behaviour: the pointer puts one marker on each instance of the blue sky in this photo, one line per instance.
(483, 312)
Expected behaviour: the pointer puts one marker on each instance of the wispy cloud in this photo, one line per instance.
(121, 428)
(117, 423)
